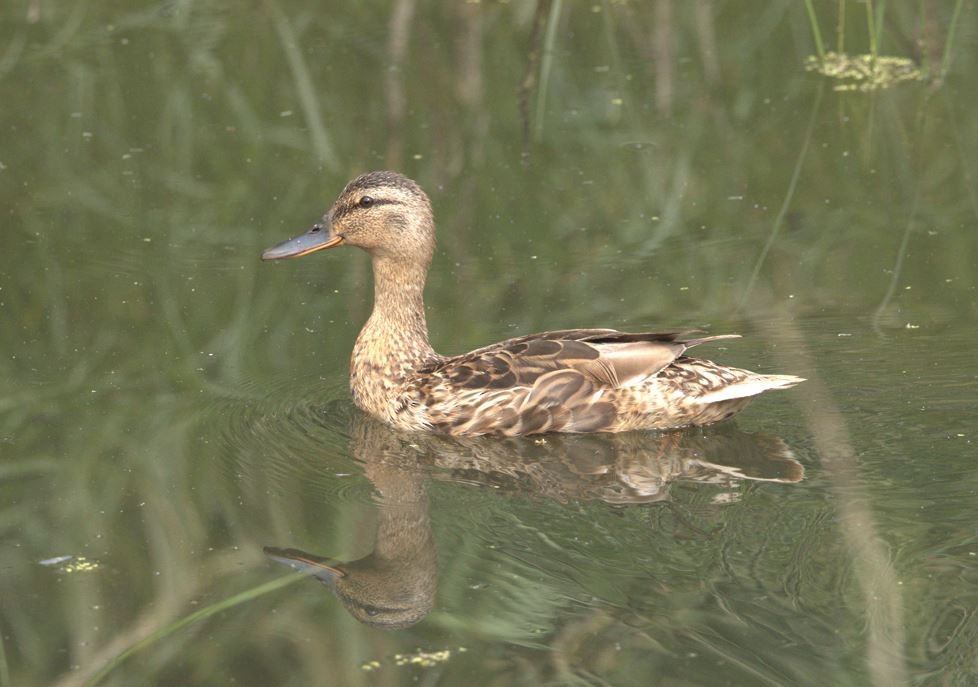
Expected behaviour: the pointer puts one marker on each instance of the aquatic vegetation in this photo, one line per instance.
(864, 72)
(70, 564)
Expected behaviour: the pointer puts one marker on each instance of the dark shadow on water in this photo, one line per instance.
(394, 586)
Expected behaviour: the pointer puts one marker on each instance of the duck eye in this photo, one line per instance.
(366, 202)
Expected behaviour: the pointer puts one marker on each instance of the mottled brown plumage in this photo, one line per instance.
(574, 380)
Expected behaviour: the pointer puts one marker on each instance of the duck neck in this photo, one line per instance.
(393, 343)
(398, 312)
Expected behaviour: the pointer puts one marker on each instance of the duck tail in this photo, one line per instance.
(750, 386)
(689, 343)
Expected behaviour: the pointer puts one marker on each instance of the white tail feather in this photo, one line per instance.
(749, 387)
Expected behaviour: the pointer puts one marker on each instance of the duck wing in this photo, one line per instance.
(606, 356)
(548, 381)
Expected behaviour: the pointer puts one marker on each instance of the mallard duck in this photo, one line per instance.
(571, 380)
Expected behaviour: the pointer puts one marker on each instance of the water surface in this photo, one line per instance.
(170, 406)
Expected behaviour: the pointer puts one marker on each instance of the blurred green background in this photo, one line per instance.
(169, 405)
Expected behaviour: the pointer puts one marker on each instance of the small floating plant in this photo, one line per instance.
(864, 72)
(874, 71)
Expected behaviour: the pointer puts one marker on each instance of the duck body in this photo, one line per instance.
(573, 380)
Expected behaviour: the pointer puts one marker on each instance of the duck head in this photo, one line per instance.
(384, 213)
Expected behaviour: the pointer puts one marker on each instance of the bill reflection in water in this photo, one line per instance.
(394, 586)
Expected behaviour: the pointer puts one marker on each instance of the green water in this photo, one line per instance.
(169, 405)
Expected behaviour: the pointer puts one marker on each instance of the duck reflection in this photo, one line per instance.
(394, 586)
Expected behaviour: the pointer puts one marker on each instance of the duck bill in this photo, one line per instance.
(320, 237)
(325, 569)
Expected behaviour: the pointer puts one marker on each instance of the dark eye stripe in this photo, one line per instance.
(355, 205)
(374, 202)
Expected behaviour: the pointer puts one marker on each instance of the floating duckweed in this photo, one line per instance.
(71, 564)
(864, 72)
(81, 564)
(421, 659)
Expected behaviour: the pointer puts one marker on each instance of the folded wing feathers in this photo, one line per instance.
(554, 380)
(607, 356)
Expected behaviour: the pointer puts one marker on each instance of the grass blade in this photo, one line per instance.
(201, 614)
